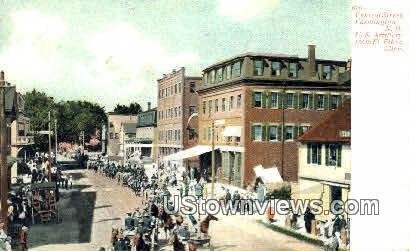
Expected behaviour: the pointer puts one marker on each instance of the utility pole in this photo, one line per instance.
(3, 149)
(49, 146)
(213, 160)
(55, 137)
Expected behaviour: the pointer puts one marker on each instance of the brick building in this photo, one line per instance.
(261, 103)
(177, 101)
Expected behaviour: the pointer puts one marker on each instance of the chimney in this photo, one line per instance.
(311, 59)
(149, 106)
(2, 78)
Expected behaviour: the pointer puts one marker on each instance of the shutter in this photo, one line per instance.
(263, 100)
(311, 101)
(268, 99)
(327, 155)
(319, 154)
(315, 99)
(308, 153)
(326, 102)
(267, 132)
(280, 100)
(253, 100)
(252, 132)
(339, 150)
(299, 105)
(263, 132)
(279, 132)
(295, 132)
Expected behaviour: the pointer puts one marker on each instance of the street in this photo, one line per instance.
(96, 204)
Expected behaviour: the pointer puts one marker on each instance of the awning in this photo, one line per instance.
(268, 175)
(188, 153)
(232, 131)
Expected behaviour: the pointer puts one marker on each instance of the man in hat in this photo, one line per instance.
(23, 239)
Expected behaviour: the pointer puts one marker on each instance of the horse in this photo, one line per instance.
(204, 225)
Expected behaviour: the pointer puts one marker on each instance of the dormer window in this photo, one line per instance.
(228, 72)
(258, 67)
(236, 69)
(327, 72)
(275, 68)
(293, 70)
(219, 75)
(211, 77)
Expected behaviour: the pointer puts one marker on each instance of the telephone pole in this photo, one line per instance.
(49, 146)
(3, 150)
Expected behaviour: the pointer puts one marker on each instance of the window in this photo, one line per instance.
(179, 134)
(305, 101)
(204, 107)
(176, 112)
(335, 101)
(192, 109)
(175, 137)
(275, 68)
(171, 90)
(236, 72)
(314, 154)
(293, 70)
(274, 100)
(176, 89)
(180, 111)
(228, 72)
(239, 101)
(192, 87)
(171, 112)
(290, 100)
(211, 76)
(272, 134)
(333, 155)
(205, 78)
(231, 103)
(180, 87)
(216, 105)
(320, 101)
(209, 133)
(192, 133)
(111, 135)
(258, 67)
(327, 72)
(166, 92)
(223, 104)
(210, 106)
(304, 129)
(341, 69)
(257, 133)
(219, 75)
(289, 132)
(257, 99)
(116, 135)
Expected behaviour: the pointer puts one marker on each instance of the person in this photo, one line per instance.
(236, 200)
(308, 218)
(7, 244)
(227, 197)
(261, 192)
(23, 239)
(199, 190)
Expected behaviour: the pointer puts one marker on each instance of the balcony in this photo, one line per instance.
(24, 141)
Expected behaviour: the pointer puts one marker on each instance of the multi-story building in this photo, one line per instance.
(177, 102)
(260, 103)
(18, 139)
(146, 133)
(325, 159)
(115, 122)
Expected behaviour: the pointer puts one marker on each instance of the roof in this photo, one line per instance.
(10, 98)
(336, 127)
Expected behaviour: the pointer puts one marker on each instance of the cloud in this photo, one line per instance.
(243, 10)
(115, 64)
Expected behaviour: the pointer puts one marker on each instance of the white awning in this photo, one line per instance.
(268, 175)
(232, 131)
(188, 153)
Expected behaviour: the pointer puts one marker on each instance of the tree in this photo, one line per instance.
(133, 108)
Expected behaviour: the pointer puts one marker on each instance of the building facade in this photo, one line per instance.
(145, 134)
(260, 104)
(177, 102)
(325, 160)
(114, 139)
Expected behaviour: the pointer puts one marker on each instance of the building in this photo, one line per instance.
(177, 102)
(145, 134)
(259, 104)
(325, 159)
(115, 122)
(19, 141)
(126, 138)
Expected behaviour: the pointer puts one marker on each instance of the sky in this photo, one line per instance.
(111, 52)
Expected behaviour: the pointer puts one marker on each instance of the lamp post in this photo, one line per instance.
(3, 149)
